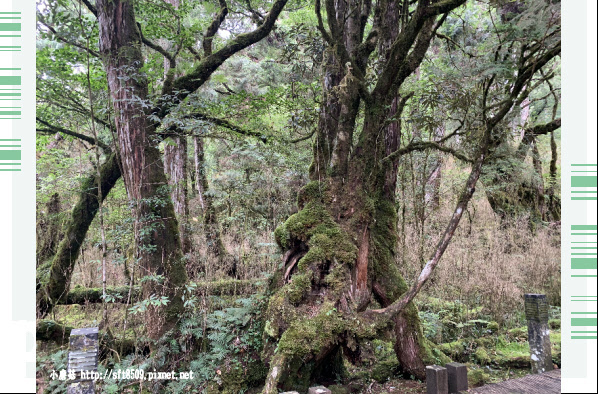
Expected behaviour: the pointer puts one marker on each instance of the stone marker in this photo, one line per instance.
(536, 312)
(83, 357)
(436, 380)
(457, 377)
(318, 390)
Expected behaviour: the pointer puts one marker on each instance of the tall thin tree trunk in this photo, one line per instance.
(199, 168)
(433, 191)
(175, 165)
(212, 230)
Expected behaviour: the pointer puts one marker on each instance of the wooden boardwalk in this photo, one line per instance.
(546, 383)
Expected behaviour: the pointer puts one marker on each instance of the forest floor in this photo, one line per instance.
(492, 352)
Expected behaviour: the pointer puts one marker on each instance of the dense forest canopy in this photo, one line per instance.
(318, 156)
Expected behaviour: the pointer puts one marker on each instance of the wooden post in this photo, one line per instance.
(536, 312)
(436, 380)
(83, 360)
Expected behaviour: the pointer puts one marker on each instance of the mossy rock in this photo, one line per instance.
(454, 349)
(385, 370)
(486, 342)
(477, 377)
(482, 356)
(518, 333)
(493, 326)
(512, 355)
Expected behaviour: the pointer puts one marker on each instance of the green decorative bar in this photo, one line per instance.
(584, 227)
(584, 181)
(10, 80)
(584, 337)
(10, 155)
(584, 322)
(583, 264)
(10, 27)
(10, 113)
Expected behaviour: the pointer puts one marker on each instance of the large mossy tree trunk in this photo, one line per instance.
(53, 286)
(341, 245)
(157, 236)
(48, 230)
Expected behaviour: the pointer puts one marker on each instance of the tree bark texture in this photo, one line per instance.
(175, 163)
(175, 166)
(49, 230)
(143, 171)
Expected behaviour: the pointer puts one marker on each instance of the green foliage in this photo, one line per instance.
(46, 364)
(232, 338)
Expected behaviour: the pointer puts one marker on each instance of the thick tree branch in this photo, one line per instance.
(51, 129)
(545, 128)
(156, 47)
(308, 136)
(213, 28)
(90, 7)
(189, 83)
(424, 145)
(400, 48)
(321, 27)
(173, 130)
(256, 16)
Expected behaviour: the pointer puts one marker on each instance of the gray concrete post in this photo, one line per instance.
(83, 359)
(457, 377)
(536, 313)
(436, 380)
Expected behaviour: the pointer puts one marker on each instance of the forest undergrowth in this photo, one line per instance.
(474, 312)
